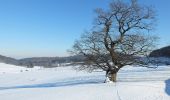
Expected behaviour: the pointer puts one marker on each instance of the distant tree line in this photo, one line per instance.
(162, 52)
(41, 61)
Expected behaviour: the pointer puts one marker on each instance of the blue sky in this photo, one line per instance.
(31, 28)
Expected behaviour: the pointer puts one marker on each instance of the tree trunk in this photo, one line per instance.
(113, 77)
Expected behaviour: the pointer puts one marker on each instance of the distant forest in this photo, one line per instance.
(41, 61)
(57, 61)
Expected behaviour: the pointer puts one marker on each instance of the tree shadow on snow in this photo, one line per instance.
(61, 83)
(167, 86)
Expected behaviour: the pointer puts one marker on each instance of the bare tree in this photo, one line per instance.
(118, 38)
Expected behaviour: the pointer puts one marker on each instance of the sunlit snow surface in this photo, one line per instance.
(64, 83)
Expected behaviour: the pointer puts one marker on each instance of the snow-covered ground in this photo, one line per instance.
(64, 83)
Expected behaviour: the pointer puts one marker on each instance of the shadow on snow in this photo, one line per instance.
(61, 83)
(167, 86)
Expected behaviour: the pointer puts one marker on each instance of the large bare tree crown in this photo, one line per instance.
(119, 37)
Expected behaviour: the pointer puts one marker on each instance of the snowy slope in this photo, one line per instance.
(64, 83)
(5, 68)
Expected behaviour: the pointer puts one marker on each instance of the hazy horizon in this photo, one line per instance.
(48, 28)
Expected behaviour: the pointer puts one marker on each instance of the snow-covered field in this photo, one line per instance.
(64, 83)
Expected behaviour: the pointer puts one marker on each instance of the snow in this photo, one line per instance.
(64, 83)
(4, 68)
